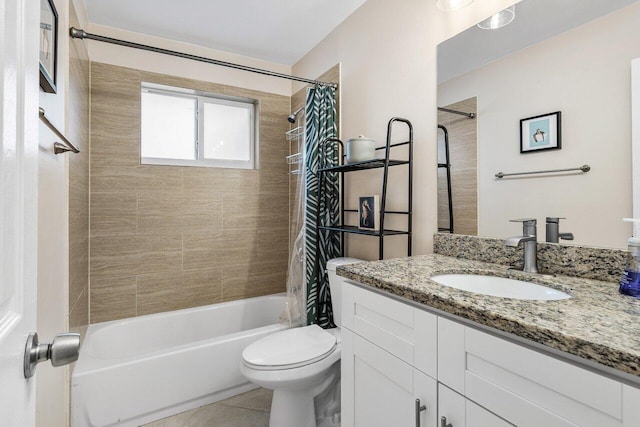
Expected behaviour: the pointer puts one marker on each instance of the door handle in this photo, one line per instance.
(443, 422)
(64, 349)
(419, 408)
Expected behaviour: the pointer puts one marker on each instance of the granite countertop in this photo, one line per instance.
(597, 323)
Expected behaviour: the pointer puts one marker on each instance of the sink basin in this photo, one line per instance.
(500, 287)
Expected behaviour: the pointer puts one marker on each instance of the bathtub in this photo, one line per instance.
(138, 370)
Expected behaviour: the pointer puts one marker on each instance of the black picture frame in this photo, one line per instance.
(547, 134)
(369, 213)
(48, 46)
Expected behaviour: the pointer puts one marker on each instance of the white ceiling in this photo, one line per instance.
(281, 31)
(536, 20)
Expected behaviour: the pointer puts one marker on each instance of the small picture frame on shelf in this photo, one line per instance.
(540, 133)
(48, 46)
(369, 213)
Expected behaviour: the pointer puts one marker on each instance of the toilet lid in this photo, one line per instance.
(290, 349)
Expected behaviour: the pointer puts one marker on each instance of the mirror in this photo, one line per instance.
(572, 57)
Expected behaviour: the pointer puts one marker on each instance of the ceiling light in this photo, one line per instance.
(499, 20)
(450, 5)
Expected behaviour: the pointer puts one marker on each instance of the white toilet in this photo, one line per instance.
(299, 364)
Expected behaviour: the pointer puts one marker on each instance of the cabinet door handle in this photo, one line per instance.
(443, 422)
(419, 408)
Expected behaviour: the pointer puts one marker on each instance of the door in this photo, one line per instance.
(455, 410)
(380, 390)
(377, 387)
(19, 23)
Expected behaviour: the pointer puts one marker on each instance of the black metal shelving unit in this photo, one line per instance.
(385, 164)
(447, 167)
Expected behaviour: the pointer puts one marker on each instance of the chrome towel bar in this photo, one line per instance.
(584, 168)
(58, 147)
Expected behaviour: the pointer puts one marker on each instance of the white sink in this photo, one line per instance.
(499, 287)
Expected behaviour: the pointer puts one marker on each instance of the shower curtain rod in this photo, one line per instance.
(460, 113)
(81, 34)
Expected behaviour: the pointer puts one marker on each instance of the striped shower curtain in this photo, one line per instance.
(322, 204)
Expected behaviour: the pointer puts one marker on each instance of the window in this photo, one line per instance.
(188, 128)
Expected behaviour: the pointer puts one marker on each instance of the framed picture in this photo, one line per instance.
(369, 213)
(540, 133)
(48, 46)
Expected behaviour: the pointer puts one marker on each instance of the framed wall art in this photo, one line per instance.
(369, 213)
(48, 46)
(540, 133)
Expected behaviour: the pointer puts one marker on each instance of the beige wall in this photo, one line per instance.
(78, 132)
(165, 238)
(585, 73)
(463, 154)
(387, 54)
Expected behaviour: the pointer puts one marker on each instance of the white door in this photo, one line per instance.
(19, 23)
(457, 411)
(377, 387)
(380, 390)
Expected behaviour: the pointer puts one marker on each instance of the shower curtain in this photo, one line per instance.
(322, 204)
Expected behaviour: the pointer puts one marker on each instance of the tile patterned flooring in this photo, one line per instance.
(250, 409)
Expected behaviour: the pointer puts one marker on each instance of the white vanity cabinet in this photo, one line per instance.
(388, 362)
(393, 353)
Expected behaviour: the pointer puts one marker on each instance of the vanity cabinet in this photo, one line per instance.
(394, 353)
(388, 362)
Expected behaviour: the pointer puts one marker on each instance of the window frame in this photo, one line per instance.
(200, 98)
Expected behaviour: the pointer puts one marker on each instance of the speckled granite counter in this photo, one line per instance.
(597, 323)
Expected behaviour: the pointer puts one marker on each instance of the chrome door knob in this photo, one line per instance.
(64, 349)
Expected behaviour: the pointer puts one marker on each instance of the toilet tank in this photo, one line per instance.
(335, 285)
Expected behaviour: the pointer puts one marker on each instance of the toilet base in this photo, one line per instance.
(292, 409)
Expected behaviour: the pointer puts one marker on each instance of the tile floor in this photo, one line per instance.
(250, 409)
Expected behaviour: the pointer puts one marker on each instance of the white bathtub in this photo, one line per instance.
(138, 370)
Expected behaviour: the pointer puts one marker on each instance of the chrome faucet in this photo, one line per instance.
(529, 244)
(553, 231)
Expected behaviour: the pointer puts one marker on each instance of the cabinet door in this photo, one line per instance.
(477, 416)
(425, 390)
(630, 407)
(377, 387)
(460, 412)
(380, 390)
(451, 406)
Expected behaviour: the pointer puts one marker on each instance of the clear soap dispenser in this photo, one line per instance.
(630, 281)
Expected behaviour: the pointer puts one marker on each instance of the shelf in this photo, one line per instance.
(385, 212)
(295, 133)
(369, 164)
(384, 164)
(294, 159)
(355, 230)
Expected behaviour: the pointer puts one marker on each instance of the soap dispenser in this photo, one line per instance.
(630, 281)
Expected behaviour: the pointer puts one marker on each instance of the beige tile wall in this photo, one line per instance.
(78, 131)
(463, 148)
(166, 238)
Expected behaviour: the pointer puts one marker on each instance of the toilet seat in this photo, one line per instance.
(290, 349)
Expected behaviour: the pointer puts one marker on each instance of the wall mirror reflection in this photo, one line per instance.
(572, 56)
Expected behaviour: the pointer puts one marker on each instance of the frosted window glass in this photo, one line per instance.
(227, 132)
(168, 126)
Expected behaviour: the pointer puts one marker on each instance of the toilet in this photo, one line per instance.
(300, 364)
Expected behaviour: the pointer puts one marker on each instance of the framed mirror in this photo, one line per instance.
(573, 57)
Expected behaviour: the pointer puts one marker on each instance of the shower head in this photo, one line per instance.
(292, 116)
